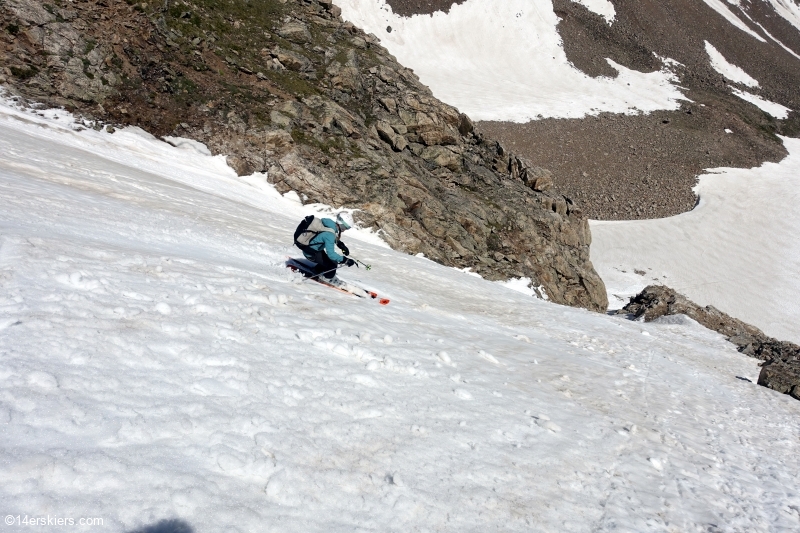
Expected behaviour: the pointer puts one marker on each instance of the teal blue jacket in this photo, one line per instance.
(327, 241)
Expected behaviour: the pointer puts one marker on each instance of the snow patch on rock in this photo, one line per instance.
(727, 69)
(730, 16)
(776, 110)
(789, 10)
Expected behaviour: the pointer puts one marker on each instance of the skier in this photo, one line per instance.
(318, 238)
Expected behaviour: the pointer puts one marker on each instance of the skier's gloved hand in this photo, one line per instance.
(349, 262)
(344, 248)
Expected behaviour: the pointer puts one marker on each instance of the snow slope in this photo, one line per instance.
(720, 7)
(738, 249)
(159, 362)
(737, 75)
(775, 109)
(463, 56)
(727, 69)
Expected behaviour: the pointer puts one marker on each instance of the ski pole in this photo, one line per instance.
(368, 267)
(321, 273)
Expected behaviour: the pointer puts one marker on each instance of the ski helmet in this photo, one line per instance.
(345, 220)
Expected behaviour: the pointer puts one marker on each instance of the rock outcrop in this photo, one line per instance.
(781, 368)
(289, 89)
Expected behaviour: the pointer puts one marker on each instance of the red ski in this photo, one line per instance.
(305, 268)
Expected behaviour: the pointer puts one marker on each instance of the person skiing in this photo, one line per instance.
(318, 239)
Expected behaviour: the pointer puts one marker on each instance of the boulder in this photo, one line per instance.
(295, 31)
(387, 133)
(538, 178)
(465, 125)
(389, 103)
(277, 142)
(438, 136)
(292, 60)
(781, 376)
(443, 157)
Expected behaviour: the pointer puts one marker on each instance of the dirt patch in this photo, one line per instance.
(620, 167)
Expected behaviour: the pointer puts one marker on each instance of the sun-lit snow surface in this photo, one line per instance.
(776, 110)
(720, 7)
(505, 61)
(158, 361)
(604, 8)
(727, 69)
(738, 250)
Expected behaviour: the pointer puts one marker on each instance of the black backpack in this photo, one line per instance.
(303, 228)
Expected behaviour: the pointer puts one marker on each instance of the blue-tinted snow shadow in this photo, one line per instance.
(166, 526)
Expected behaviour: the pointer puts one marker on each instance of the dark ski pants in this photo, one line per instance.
(324, 264)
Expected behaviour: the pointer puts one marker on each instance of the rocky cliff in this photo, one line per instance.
(288, 89)
(780, 370)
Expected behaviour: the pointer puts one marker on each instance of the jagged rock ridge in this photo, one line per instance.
(289, 89)
(781, 368)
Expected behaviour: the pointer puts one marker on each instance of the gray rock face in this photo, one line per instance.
(388, 134)
(781, 368)
(75, 68)
(291, 60)
(31, 12)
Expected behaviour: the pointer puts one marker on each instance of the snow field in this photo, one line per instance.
(160, 362)
(720, 7)
(737, 250)
(727, 69)
(776, 110)
(463, 57)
